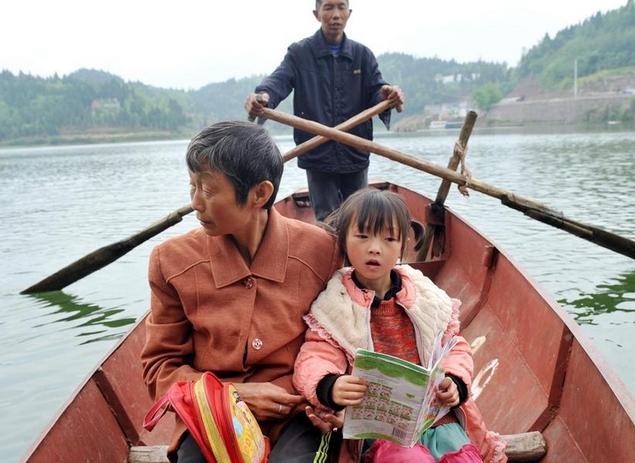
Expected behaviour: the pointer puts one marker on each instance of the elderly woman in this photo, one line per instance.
(229, 296)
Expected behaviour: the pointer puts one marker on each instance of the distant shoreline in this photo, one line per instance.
(92, 138)
(89, 138)
(150, 136)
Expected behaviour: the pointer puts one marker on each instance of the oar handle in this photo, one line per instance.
(260, 98)
(344, 126)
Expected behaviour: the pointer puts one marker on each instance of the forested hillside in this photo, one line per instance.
(90, 104)
(603, 41)
(432, 81)
(96, 102)
(86, 100)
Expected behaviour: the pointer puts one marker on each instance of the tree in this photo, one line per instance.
(487, 96)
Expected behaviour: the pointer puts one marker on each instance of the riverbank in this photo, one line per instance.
(607, 109)
(91, 138)
(481, 128)
(556, 115)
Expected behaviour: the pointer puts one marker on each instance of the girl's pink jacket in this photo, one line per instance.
(339, 323)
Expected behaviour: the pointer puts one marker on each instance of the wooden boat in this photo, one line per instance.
(534, 370)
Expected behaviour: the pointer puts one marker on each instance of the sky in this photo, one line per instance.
(187, 44)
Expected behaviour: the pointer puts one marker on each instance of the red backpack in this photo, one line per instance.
(221, 424)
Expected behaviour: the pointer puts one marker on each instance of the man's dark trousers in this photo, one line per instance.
(327, 190)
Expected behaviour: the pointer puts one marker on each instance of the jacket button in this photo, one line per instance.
(248, 282)
(256, 344)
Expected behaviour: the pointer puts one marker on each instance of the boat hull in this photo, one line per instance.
(534, 369)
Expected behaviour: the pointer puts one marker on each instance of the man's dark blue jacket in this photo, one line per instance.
(328, 90)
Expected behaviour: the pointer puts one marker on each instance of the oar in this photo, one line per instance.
(103, 256)
(435, 228)
(108, 254)
(344, 126)
(528, 206)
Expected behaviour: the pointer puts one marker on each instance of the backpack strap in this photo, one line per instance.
(156, 412)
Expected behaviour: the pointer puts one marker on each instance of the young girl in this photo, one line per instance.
(379, 306)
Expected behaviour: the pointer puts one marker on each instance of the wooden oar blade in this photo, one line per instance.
(590, 233)
(80, 268)
(104, 256)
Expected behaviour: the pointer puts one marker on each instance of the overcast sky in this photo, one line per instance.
(188, 43)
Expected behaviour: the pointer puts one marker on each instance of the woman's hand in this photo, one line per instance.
(268, 401)
(448, 393)
(349, 390)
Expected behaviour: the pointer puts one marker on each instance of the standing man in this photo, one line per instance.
(333, 78)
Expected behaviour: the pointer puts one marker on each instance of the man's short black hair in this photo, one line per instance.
(318, 3)
(243, 151)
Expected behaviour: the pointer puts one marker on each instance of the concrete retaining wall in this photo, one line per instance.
(557, 110)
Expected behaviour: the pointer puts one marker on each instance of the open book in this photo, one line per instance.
(400, 403)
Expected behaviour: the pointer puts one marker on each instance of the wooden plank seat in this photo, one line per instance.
(527, 446)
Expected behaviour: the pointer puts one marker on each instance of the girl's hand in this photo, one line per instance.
(325, 419)
(349, 390)
(448, 393)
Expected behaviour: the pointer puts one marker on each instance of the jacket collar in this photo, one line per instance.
(364, 297)
(395, 287)
(321, 47)
(270, 261)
